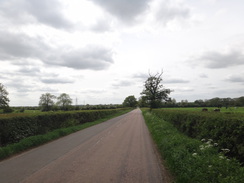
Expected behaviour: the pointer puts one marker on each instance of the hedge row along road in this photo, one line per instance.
(119, 150)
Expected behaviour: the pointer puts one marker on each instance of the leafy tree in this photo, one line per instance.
(143, 101)
(240, 101)
(154, 91)
(130, 101)
(46, 101)
(64, 101)
(4, 100)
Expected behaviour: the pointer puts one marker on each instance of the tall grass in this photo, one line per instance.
(191, 160)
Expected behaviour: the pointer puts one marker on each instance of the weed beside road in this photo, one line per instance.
(191, 160)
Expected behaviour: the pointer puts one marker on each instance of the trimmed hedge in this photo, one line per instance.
(227, 130)
(190, 160)
(13, 129)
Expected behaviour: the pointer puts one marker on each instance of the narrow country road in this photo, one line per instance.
(119, 150)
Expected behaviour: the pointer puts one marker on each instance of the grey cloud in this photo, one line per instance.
(29, 70)
(15, 47)
(101, 26)
(203, 76)
(56, 80)
(236, 78)
(125, 10)
(20, 87)
(168, 11)
(48, 12)
(216, 60)
(141, 76)
(173, 81)
(90, 57)
(122, 83)
(31, 11)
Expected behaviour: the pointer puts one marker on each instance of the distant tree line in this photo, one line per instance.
(64, 102)
(49, 102)
(214, 102)
(154, 95)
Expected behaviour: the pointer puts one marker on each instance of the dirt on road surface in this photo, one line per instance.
(119, 150)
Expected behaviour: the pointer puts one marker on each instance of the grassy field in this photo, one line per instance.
(223, 109)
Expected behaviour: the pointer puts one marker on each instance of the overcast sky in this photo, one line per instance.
(101, 51)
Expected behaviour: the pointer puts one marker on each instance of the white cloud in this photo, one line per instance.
(107, 48)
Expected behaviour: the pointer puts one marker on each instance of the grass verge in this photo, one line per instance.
(37, 140)
(191, 160)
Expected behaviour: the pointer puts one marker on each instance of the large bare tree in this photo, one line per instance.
(154, 91)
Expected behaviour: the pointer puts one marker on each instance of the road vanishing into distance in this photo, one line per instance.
(119, 150)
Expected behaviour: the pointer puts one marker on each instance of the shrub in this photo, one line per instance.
(225, 129)
(191, 160)
(13, 129)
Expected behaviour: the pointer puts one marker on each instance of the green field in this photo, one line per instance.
(211, 109)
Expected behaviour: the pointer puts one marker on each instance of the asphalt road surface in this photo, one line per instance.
(119, 150)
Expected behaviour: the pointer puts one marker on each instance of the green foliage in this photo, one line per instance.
(22, 109)
(36, 140)
(191, 160)
(14, 128)
(64, 101)
(130, 101)
(4, 100)
(46, 101)
(7, 109)
(225, 129)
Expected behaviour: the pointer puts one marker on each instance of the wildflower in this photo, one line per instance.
(209, 141)
(216, 144)
(203, 140)
(194, 154)
(209, 166)
(221, 157)
(225, 150)
(209, 145)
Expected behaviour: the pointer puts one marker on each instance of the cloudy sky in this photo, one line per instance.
(102, 51)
